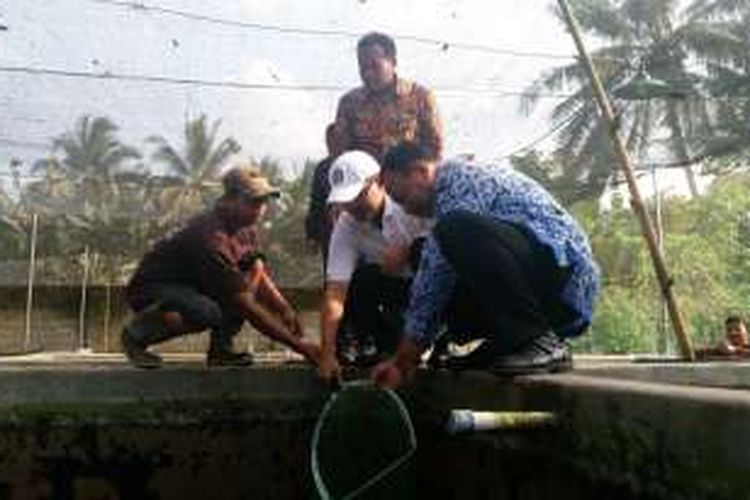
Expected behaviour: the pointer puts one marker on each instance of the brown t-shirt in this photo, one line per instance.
(207, 254)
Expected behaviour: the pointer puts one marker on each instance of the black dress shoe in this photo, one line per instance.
(440, 354)
(438, 360)
(480, 358)
(545, 354)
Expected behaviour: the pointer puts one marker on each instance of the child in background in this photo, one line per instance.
(735, 342)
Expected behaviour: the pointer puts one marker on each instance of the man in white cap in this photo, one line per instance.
(368, 271)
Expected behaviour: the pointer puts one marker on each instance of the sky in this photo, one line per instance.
(93, 36)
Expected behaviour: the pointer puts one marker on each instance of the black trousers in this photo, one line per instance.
(508, 286)
(375, 306)
(199, 312)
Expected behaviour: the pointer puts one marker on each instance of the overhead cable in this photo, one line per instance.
(111, 76)
(439, 43)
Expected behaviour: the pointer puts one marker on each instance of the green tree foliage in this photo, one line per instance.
(707, 251)
(560, 181)
(683, 48)
(11, 229)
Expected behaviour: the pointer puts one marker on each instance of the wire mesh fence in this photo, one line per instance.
(66, 255)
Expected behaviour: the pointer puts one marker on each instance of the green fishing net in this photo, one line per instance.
(363, 445)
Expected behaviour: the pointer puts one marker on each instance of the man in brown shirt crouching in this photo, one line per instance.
(209, 276)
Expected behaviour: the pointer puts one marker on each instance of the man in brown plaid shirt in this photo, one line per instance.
(386, 109)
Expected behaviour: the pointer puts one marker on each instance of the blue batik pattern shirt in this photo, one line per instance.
(512, 197)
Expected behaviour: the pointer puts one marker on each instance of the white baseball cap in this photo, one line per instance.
(349, 174)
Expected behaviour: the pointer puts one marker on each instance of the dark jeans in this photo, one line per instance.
(199, 312)
(375, 306)
(508, 286)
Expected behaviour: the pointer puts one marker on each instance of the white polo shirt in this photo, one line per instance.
(352, 240)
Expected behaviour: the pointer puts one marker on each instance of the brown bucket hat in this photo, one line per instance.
(248, 182)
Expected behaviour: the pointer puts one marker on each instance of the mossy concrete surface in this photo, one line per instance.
(91, 427)
(103, 430)
(615, 438)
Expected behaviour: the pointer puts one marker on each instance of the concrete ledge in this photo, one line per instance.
(181, 383)
(726, 373)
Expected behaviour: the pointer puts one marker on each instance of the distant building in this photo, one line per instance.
(668, 182)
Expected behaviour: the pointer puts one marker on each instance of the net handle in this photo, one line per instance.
(337, 384)
(342, 386)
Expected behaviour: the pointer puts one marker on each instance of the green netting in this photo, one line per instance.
(362, 445)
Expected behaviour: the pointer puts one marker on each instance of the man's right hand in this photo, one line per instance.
(329, 369)
(387, 374)
(310, 350)
(399, 369)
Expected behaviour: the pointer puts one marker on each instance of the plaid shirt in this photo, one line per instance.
(374, 122)
(506, 195)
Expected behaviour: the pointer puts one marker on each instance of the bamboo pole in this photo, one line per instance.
(665, 281)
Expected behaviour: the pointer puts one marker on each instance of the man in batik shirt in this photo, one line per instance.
(386, 109)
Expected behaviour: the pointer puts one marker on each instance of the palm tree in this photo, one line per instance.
(727, 22)
(639, 37)
(92, 149)
(198, 162)
(91, 155)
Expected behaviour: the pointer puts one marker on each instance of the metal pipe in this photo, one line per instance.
(464, 420)
(661, 342)
(30, 285)
(84, 300)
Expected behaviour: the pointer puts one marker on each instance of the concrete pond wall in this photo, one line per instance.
(107, 431)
